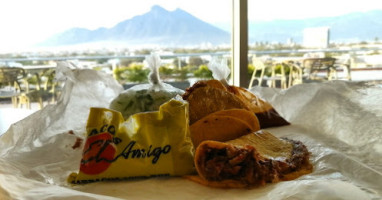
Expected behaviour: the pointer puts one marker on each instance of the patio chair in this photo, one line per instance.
(31, 91)
(320, 68)
(261, 74)
(17, 85)
(10, 78)
(51, 87)
(344, 63)
(295, 74)
(259, 67)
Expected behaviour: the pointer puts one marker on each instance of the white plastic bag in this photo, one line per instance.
(220, 70)
(146, 97)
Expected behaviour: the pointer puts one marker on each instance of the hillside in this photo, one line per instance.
(159, 26)
(179, 29)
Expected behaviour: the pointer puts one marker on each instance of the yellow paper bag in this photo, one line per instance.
(147, 144)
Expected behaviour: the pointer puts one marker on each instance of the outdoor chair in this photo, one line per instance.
(19, 87)
(344, 63)
(320, 68)
(272, 73)
(51, 88)
(295, 74)
(10, 78)
(31, 91)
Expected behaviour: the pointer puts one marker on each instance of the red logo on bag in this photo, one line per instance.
(98, 153)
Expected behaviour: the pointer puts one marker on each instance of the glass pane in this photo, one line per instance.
(115, 36)
(303, 37)
(112, 36)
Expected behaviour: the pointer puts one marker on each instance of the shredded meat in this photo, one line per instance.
(248, 166)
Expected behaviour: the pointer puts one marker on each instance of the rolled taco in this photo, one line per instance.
(250, 161)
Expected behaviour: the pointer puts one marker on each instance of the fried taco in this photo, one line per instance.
(250, 161)
(224, 125)
(264, 111)
(206, 97)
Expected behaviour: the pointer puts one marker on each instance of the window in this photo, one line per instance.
(295, 30)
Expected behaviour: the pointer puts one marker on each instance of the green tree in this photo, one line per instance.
(166, 72)
(136, 73)
(132, 73)
(203, 72)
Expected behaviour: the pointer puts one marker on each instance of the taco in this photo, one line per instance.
(223, 126)
(250, 161)
(206, 97)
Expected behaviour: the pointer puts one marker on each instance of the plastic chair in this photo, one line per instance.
(313, 67)
(10, 78)
(277, 73)
(345, 62)
(51, 87)
(17, 85)
(258, 67)
(31, 91)
(295, 74)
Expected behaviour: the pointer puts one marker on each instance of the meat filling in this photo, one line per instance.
(246, 165)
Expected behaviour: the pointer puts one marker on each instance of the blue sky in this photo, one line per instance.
(24, 22)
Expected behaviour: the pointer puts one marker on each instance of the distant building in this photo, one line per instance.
(290, 42)
(316, 37)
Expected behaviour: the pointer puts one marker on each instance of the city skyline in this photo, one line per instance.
(25, 23)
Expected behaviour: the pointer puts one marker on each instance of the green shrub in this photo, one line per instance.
(203, 72)
(278, 68)
(136, 73)
(120, 74)
(251, 68)
(132, 73)
(166, 71)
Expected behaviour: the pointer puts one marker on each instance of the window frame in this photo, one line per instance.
(239, 40)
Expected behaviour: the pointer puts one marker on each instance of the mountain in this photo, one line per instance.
(360, 26)
(179, 29)
(158, 26)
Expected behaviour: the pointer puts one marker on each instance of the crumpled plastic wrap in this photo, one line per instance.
(339, 122)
